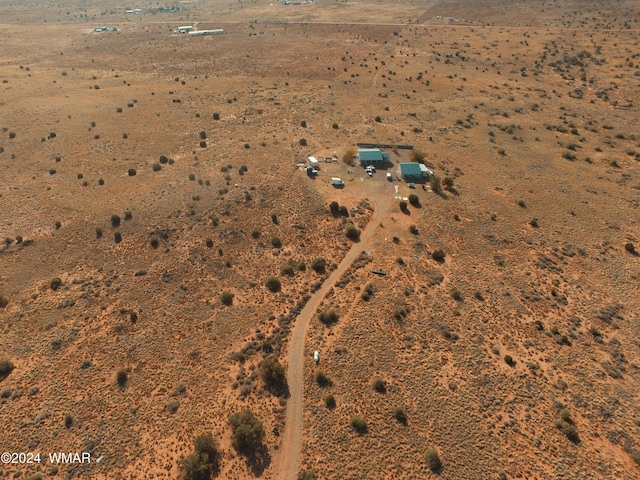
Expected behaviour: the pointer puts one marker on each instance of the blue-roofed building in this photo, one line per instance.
(412, 171)
(373, 156)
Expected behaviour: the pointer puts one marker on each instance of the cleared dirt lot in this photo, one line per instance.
(531, 111)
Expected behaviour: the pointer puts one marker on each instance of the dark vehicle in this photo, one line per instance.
(382, 273)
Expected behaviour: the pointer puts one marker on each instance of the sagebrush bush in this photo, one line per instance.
(438, 256)
(330, 402)
(4, 301)
(55, 283)
(400, 415)
(204, 463)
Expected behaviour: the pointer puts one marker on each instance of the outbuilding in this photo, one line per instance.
(412, 171)
(313, 161)
(185, 29)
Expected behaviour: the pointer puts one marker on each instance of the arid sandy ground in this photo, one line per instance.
(530, 108)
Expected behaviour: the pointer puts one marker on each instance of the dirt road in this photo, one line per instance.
(286, 467)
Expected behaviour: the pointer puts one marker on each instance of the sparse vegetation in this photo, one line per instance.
(330, 402)
(629, 247)
(400, 415)
(55, 283)
(349, 157)
(272, 374)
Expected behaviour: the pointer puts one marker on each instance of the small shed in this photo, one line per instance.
(412, 171)
(185, 29)
(372, 156)
(313, 161)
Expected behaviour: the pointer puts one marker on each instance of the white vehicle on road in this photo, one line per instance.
(316, 356)
(389, 177)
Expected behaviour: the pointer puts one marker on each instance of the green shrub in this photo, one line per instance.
(163, 159)
(117, 237)
(131, 172)
(303, 142)
(204, 462)
(276, 242)
(400, 415)
(414, 200)
(448, 183)
(417, 156)
(352, 233)
(68, 421)
(322, 379)
(154, 243)
(508, 359)
(413, 229)
(522, 204)
(330, 402)
(379, 385)
(273, 374)
(565, 416)
(4, 301)
(55, 283)
(403, 206)
(438, 256)
(328, 317)
(307, 475)
(629, 247)
(255, 234)
(216, 116)
(273, 284)
(343, 211)
(226, 298)
(288, 270)
(433, 460)
(335, 126)
(6, 367)
(434, 183)
(122, 376)
(319, 265)
(248, 431)
(156, 167)
(636, 456)
(359, 424)
(115, 221)
(98, 232)
(569, 431)
(456, 295)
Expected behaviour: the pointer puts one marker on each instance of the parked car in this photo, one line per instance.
(382, 273)
(316, 356)
(412, 185)
(389, 177)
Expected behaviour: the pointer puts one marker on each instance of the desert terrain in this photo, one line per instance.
(166, 264)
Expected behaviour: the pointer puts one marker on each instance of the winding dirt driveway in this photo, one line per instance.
(286, 467)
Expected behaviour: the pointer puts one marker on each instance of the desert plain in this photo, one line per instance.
(166, 263)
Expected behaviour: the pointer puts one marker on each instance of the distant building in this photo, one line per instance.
(100, 29)
(412, 171)
(313, 161)
(372, 156)
(217, 31)
(185, 29)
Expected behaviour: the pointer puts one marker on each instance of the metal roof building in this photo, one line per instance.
(414, 170)
(372, 155)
